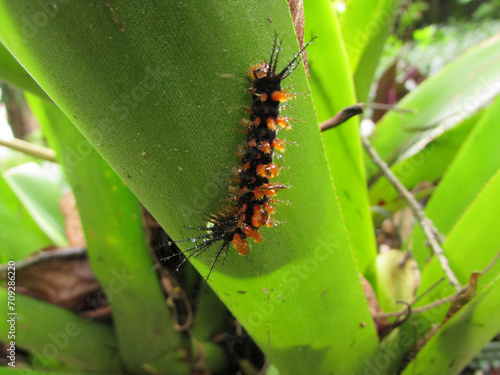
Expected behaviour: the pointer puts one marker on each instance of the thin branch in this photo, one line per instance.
(432, 234)
(30, 149)
(397, 314)
(427, 291)
(492, 263)
(419, 309)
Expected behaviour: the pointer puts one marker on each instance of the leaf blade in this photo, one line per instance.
(444, 99)
(116, 244)
(176, 161)
(329, 69)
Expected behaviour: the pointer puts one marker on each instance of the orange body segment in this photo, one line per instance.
(265, 147)
(271, 124)
(259, 71)
(278, 145)
(283, 122)
(281, 96)
(267, 170)
(240, 245)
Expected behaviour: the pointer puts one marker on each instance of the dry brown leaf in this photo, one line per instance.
(64, 282)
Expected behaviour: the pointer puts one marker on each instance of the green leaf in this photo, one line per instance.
(116, 245)
(471, 246)
(429, 164)
(365, 26)
(12, 72)
(476, 162)
(393, 350)
(40, 195)
(362, 22)
(158, 93)
(210, 321)
(333, 89)
(20, 235)
(462, 337)
(55, 332)
(446, 99)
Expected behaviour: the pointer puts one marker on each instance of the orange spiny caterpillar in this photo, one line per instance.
(251, 201)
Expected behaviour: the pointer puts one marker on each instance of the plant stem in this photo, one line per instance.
(434, 237)
(30, 149)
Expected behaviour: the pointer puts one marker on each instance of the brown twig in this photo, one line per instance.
(30, 149)
(434, 237)
(342, 117)
(356, 109)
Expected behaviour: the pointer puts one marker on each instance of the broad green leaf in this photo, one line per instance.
(12, 72)
(462, 337)
(471, 246)
(54, 332)
(210, 316)
(365, 70)
(158, 93)
(446, 99)
(477, 161)
(40, 196)
(365, 26)
(427, 165)
(332, 90)
(116, 244)
(20, 235)
(210, 321)
(393, 350)
(362, 23)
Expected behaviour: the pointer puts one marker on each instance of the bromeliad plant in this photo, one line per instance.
(156, 90)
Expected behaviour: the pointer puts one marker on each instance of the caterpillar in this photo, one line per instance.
(252, 197)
